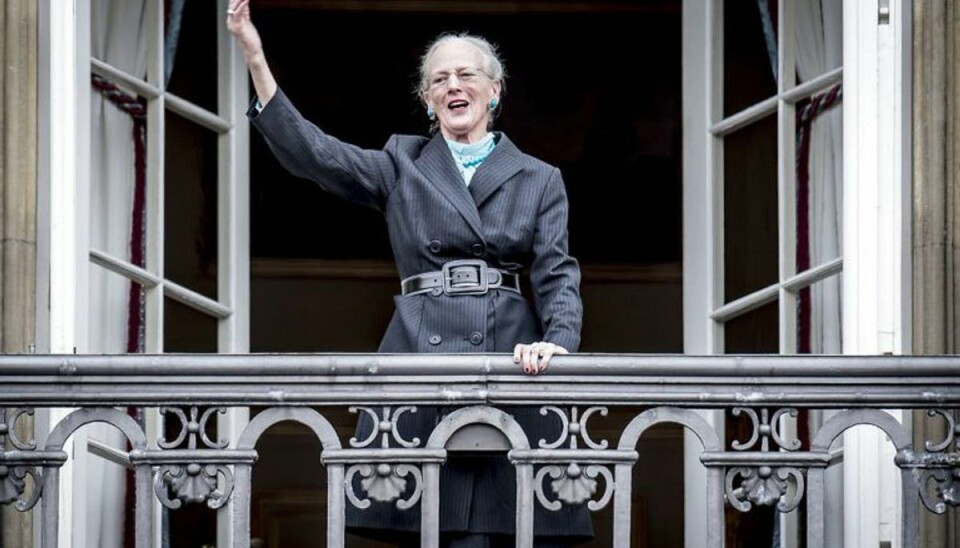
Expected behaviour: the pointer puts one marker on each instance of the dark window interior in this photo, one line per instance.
(596, 93)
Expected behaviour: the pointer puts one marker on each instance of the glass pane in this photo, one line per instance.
(118, 181)
(190, 51)
(117, 34)
(756, 332)
(187, 330)
(117, 186)
(819, 38)
(116, 312)
(818, 317)
(819, 182)
(750, 209)
(749, 53)
(190, 201)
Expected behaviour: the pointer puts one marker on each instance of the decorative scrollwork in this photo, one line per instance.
(952, 430)
(574, 485)
(13, 474)
(946, 489)
(384, 483)
(193, 483)
(573, 427)
(385, 426)
(764, 429)
(8, 429)
(941, 467)
(764, 486)
(194, 427)
(13, 484)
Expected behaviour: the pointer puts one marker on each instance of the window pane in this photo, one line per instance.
(818, 317)
(756, 332)
(749, 53)
(819, 181)
(190, 201)
(187, 330)
(117, 34)
(116, 313)
(117, 188)
(190, 48)
(819, 38)
(750, 209)
(118, 178)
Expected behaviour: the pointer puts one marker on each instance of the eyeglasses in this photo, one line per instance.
(463, 76)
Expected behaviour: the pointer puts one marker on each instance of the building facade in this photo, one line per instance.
(803, 158)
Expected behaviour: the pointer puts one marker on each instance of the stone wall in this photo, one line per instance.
(936, 211)
(18, 187)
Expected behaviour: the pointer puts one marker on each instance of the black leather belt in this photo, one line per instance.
(466, 277)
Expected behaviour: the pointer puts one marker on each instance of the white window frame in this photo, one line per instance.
(63, 197)
(876, 216)
(789, 93)
(877, 295)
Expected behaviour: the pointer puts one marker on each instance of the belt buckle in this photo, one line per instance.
(481, 288)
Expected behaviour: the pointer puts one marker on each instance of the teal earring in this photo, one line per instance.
(493, 103)
(431, 114)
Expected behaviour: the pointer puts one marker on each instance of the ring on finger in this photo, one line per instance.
(230, 11)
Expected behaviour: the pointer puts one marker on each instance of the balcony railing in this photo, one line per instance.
(769, 467)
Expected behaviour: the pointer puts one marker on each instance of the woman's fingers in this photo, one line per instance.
(241, 27)
(552, 350)
(238, 15)
(240, 7)
(534, 358)
(527, 360)
(521, 355)
(546, 353)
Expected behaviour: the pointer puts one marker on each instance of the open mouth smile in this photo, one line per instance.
(458, 105)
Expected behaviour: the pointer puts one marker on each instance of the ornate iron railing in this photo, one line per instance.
(768, 468)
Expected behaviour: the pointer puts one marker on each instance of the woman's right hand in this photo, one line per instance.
(241, 27)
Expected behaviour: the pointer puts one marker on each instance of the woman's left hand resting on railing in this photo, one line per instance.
(535, 357)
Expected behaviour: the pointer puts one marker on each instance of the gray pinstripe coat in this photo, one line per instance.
(514, 216)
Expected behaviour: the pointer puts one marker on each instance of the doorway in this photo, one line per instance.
(593, 88)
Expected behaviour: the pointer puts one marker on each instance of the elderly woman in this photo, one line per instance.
(467, 211)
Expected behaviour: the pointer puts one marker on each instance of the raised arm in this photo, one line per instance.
(359, 175)
(241, 26)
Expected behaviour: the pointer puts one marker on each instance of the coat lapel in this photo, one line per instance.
(437, 165)
(502, 164)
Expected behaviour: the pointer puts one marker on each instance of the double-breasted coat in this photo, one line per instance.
(513, 215)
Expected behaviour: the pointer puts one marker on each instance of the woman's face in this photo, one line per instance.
(459, 92)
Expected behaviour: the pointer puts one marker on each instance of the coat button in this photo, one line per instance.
(435, 246)
(435, 339)
(478, 250)
(476, 338)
